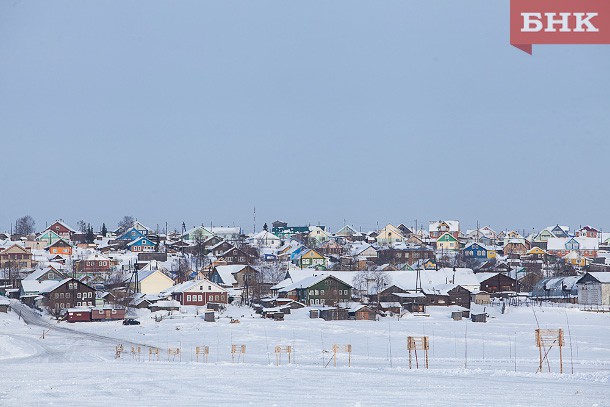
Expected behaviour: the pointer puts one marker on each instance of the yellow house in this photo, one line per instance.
(575, 259)
(151, 282)
(311, 258)
(537, 251)
(389, 235)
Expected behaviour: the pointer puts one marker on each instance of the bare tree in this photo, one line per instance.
(82, 226)
(126, 222)
(25, 225)
(380, 280)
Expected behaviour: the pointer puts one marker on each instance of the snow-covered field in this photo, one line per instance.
(491, 363)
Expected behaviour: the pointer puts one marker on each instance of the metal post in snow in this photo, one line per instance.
(466, 346)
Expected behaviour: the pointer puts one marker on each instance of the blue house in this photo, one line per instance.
(131, 234)
(572, 244)
(477, 250)
(143, 244)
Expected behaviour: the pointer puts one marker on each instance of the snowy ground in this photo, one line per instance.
(470, 363)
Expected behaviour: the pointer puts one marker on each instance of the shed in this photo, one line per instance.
(480, 297)
(362, 312)
(5, 306)
(209, 316)
(594, 289)
(78, 315)
(168, 305)
(479, 317)
(334, 314)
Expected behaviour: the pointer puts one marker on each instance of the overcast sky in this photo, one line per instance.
(310, 111)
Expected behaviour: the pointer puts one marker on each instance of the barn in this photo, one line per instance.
(594, 289)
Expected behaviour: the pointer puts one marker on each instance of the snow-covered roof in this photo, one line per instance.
(585, 243)
(35, 286)
(601, 276)
(36, 274)
(50, 287)
(188, 285)
(556, 287)
(485, 276)
(227, 272)
(62, 223)
(454, 225)
(309, 281)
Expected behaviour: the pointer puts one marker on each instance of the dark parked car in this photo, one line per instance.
(131, 321)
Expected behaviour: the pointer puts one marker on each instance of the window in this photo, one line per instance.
(200, 297)
(310, 292)
(188, 297)
(51, 276)
(114, 311)
(78, 304)
(89, 303)
(316, 292)
(56, 295)
(209, 288)
(321, 292)
(61, 295)
(78, 295)
(217, 298)
(67, 295)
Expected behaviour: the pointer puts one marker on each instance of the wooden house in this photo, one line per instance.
(310, 258)
(317, 235)
(496, 282)
(235, 256)
(93, 263)
(48, 237)
(220, 248)
(478, 251)
(60, 247)
(67, 293)
(16, 257)
(389, 235)
(349, 233)
(199, 293)
(149, 282)
(447, 242)
(131, 235)
(322, 290)
(587, 231)
(437, 229)
(331, 248)
(235, 275)
(516, 247)
(61, 229)
(142, 244)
